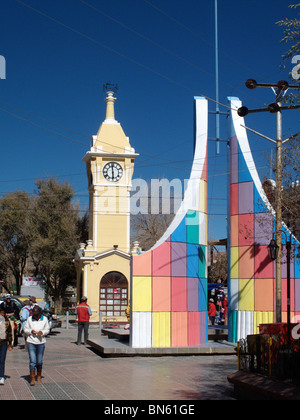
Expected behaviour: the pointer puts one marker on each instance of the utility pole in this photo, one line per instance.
(217, 79)
(281, 88)
(278, 213)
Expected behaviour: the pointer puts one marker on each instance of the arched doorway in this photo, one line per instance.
(113, 294)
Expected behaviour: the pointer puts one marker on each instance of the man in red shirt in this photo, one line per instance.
(212, 312)
(83, 312)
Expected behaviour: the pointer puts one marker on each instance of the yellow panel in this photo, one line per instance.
(246, 294)
(142, 294)
(262, 318)
(234, 263)
(161, 329)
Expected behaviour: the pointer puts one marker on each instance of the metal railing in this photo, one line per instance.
(271, 358)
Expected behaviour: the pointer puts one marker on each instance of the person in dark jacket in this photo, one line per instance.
(10, 307)
(83, 312)
(6, 342)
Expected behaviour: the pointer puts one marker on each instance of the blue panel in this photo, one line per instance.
(179, 235)
(202, 261)
(244, 174)
(297, 262)
(259, 205)
(202, 295)
(192, 259)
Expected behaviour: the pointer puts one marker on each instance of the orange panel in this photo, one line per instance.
(246, 262)
(141, 264)
(234, 230)
(264, 295)
(234, 199)
(161, 294)
(179, 329)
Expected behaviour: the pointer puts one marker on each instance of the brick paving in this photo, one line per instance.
(74, 372)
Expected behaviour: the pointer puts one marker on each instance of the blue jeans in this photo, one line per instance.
(83, 326)
(3, 351)
(36, 353)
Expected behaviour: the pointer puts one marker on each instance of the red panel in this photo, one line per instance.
(263, 264)
(179, 294)
(194, 328)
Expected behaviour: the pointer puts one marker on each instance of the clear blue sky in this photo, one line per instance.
(59, 53)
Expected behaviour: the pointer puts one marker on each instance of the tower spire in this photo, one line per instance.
(110, 108)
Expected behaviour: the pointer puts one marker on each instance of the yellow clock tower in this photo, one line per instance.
(103, 264)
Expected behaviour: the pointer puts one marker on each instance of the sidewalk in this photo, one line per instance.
(74, 372)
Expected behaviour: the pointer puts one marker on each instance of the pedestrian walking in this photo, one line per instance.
(25, 313)
(10, 307)
(13, 313)
(36, 329)
(6, 342)
(83, 312)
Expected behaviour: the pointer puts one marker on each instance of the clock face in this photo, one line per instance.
(112, 171)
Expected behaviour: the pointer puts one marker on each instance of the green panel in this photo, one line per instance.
(192, 226)
(232, 326)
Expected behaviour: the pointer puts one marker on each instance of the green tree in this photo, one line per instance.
(56, 236)
(16, 234)
(291, 149)
(291, 32)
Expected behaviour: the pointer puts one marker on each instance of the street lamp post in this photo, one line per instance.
(281, 88)
(273, 249)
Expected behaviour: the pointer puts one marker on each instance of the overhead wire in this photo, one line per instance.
(118, 53)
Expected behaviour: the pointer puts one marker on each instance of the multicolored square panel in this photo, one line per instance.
(251, 272)
(169, 282)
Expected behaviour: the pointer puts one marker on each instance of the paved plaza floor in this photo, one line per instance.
(74, 372)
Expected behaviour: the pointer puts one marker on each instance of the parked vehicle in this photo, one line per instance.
(53, 319)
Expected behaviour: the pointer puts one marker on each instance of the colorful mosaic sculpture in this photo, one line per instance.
(251, 227)
(169, 282)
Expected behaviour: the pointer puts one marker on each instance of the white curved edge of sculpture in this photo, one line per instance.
(241, 133)
(192, 192)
